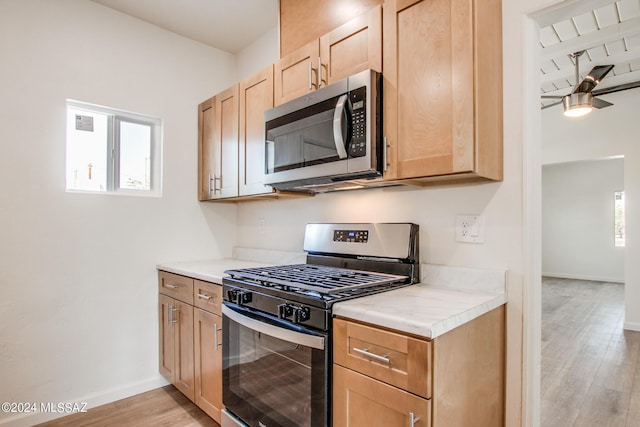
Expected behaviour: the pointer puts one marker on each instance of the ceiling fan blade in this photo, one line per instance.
(617, 88)
(552, 96)
(593, 78)
(551, 105)
(600, 103)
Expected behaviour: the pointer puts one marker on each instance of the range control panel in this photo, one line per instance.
(355, 236)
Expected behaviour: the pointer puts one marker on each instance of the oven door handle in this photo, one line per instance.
(306, 340)
(338, 137)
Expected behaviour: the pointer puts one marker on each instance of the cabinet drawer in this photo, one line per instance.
(390, 357)
(176, 286)
(207, 296)
(360, 401)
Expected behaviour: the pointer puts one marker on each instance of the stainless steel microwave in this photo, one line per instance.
(320, 141)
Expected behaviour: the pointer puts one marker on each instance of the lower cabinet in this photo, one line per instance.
(190, 339)
(361, 401)
(388, 378)
(176, 344)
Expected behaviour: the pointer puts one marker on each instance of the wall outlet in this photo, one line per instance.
(470, 228)
(262, 226)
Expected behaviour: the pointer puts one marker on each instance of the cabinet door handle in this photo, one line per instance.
(412, 419)
(311, 83)
(365, 352)
(171, 286)
(173, 319)
(320, 79)
(211, 179)
(204, 296)
(384, 154)
(216, 344)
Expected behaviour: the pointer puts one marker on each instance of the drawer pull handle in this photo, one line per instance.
(170, 286)
(204, 296)
(412, 419)
(365, 352)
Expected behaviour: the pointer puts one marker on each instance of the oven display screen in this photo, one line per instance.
(355, 236)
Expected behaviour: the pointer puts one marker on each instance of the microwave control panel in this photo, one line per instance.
(358, 146)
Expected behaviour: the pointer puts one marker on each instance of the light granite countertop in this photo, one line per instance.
(446, 298)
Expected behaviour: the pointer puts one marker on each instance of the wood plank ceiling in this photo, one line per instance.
(609, 34)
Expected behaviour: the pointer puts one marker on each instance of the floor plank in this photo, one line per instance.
(590, 371)
(164, 406)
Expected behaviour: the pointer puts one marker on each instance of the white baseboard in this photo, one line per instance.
(579, 277)
(92, 400)
(632, 326)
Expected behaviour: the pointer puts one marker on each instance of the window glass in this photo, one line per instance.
(619, 218)
(135, 156)
(87, 148)
(112, 151)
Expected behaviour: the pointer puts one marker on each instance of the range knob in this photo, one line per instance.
(301, 314)
(285, 311)
(239, 297)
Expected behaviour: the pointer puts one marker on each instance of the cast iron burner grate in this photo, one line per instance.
(316, 278)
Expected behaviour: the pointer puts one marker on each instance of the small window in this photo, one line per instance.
(112, 151)
(619, 217)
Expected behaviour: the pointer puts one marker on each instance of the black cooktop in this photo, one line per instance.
(318, 279)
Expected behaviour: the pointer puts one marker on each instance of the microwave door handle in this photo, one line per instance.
(338, 137)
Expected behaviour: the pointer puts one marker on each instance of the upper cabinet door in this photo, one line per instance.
(225, 179)
(296, 74)
(351, 48)
(435, 91)
(206, 126)
(256, 96)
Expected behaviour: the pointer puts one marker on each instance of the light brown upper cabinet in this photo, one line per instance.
(354, 46)
(256, 96)
(443, 89)
(302, 21)
(218, 146)
(206, 125)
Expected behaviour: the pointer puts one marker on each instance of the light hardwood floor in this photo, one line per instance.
(590, 365)
(164, 406)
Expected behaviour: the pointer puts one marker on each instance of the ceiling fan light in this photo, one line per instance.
(577, 104)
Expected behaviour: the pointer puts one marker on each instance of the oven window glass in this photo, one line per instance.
(271, 382)
(303, 138)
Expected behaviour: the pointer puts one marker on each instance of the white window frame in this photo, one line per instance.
(114, 119)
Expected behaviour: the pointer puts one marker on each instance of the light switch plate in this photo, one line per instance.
(470, 228)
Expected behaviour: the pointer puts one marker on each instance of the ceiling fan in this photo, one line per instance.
(583, 99)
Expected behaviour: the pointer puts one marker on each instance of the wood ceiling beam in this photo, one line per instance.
(627, 28)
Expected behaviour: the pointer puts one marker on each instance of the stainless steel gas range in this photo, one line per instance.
(277, 320)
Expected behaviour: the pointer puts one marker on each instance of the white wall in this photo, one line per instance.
(604, 133)
(578, 220)
(78, 305)
(258, 55)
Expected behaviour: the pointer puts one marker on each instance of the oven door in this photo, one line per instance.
(273, 375)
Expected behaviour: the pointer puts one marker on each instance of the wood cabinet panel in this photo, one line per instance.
(184, 377)
(431, 87)
(295, 74)
(206, 160)
(351, 48)
(302, 21)
(166, 338)
(208, 362)
(207, 296)
(469, 372)
(360, 401)
(176, 286)
(226, 144)
(409, 359)
(176, 343)
(256, 96)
